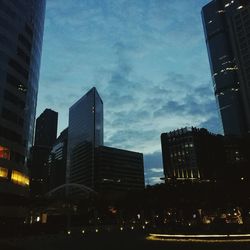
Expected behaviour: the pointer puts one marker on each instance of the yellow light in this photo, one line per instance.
(201, 235)
(19, 178)
(83, 231)
(121, 228)
(3, 172)
(197, 240)
(69, 232)
(96, 230)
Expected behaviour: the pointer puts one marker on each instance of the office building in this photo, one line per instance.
(236, 164)
(57, 161)
(45, 136)
(21, 34)
(118, 170)
(46, 128)
(227, 32)
(85, 133)
(191, 153)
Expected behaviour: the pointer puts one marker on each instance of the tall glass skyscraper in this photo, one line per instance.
(21, 34)
(227, 31)
(85, 133)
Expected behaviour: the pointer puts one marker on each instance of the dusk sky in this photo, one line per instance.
(147, 59)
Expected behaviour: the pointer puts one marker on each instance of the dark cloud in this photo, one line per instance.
(130, 138)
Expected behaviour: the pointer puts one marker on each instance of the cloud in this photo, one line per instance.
(147, 59)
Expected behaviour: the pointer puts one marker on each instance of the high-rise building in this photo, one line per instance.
(45, 136)
(58, 160)
(85, 133)
(46, 128)
(191, 153)
(21, 34)
(118, 170)
(227, 32)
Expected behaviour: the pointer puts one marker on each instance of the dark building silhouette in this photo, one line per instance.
(45, 136)
(191, 153)
(85, 133)
(227, 32)
(196, 154)
(58, 160)
(118, 170)
(21, 34)
(236, 164)
(46, 128)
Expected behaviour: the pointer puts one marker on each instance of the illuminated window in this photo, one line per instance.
(3, 172)
(19, 178)
(4, 153)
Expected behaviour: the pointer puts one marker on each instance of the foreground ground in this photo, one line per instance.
(110, 241)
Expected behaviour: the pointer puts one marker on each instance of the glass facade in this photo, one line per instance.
(226, 69)
(85, 133)
(21, 33)
(58, 160)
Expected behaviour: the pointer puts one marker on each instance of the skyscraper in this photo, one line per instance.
(46, 128)
(45, 136)
(21, 34)
(58, 160)
(227, 31)
(85, 133)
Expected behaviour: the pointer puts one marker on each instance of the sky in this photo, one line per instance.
(148, 61)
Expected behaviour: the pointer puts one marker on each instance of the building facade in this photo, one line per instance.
(46, 128)
(21, 34)
(191, 153)
(118, 170)
(58, 160)
(85, 133)
(45, 136)
(227, 32)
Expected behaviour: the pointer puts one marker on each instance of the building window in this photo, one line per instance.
(3, 172)
(4, 153)
(19, 178)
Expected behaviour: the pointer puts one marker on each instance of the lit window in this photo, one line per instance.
(3, 172)
(4, 153)
(22, 88)
(19, 178)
